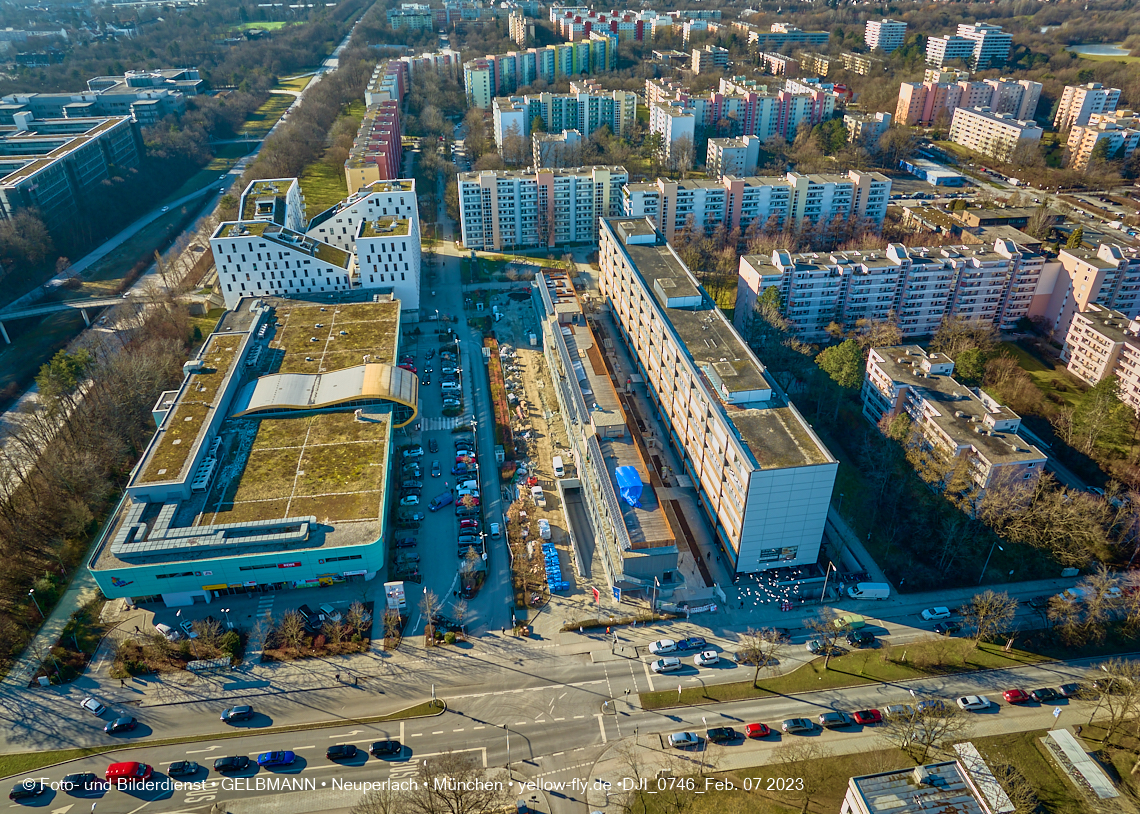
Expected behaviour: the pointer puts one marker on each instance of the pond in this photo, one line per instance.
(1098, 49)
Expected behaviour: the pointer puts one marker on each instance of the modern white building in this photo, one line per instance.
(886, 35)
(555, 150)
(388, 256)
(980, 44)
(586, 109)
(732, 156)
(274, 200)
(709, 59)
(994, 134)
(1079, 102)
(1118, 131)
(915, 287)
(954, 421)
(338, 224)
(763, 478)
(677, 128)
(516, 209)
(866, 129)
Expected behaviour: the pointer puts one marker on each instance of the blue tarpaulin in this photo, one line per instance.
(629, 485)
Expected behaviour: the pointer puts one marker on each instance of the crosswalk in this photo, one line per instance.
(264, 605)
(445, 423)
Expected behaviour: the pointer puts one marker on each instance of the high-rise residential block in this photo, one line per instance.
(982, 45)
(732, 156)
(545, 208)
(1079, 102)
(886, 35)
(585, 109)
(995, 135)
(1102, 342)
(866, 129)
(709, 59)
(1107, 275)
(377, 152)
(503, 74)
(922, 103)
(762, 476)
(388, 257)
(1117, 134)
(378, 201)
(521, 29)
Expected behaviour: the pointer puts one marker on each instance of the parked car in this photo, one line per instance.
(341, 751)
(188, 628)
(861, 638)
(868, 717)
(276, 759)
(691, 643)
(468, 523)
(234, 763)
(406, 542)
(934, 614)
(834, 720)
(332, 613)
(663, 646)
(82, 781)
(167, 631)
(92, 706)
(27, 789)
(795, 725)
(1070, 690)
(707, 658)
(947, 628)
(973, 702)
(410, 500)
(435, 469)
(668, 664)
(241, 712)
(721, 734)
(385, 748)
(1016, 696)
(898, 711)
(123, 724)
(683, 740)
(1044, 695)
(757, 730)
(932, 704)
(495, 530)
(413, 452)
(433, 446)
(182, 768)
(412, 483)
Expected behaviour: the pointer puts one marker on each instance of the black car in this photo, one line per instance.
(27, 789)
(406, 542)
(425, 381)
(341, 751)
(947, 628)
(861, 638)
(464, 443)
(236, 763)
(834, 720)
(124, 724)
(1044, 695)
(385, 748)
(1070, 690)
(183, 768)
(241, 712)
(433, 446)
(81, 781)
(721, 734)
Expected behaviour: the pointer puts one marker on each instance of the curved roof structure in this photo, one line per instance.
(347, 388)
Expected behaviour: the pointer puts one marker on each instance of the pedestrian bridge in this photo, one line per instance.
(82, 306)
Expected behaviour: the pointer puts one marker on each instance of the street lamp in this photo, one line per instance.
(839, 508)
(987, 563)
(507, 732)
(830, 568)
(32, 594)
(229, 624)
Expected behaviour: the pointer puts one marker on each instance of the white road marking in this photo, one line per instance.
(602, 726)
(457, 730)
(478, 727)
(560, 719)
(417, 734)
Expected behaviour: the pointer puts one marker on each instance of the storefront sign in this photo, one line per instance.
(288, 565)
(394, 593)
(221, 587)
(355, 573)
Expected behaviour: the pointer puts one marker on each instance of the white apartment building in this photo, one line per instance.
(388, 256)
(994, 134)
(955, 421)
(1118, 131)
(337, 225)
(732, 156)
(1102, 342)
(274, 200)
(260, 257)
(1108, 276)
(866, 129)
(709, 59)
(674, 124)
(916, 287)
(1079, 102)
(763, 478)
(557, 149)
(980, 44)
(738, 202)
(886, 35)
(517, 209)
(1018, 97)
(586, 109)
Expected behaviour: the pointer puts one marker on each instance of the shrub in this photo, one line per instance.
(357, 638)
(449, 637)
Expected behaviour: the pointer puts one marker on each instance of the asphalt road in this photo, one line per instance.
(553, 729)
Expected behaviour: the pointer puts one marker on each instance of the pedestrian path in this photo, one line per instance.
(81, 591)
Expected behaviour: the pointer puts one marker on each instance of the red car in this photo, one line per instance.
(868, 716)
(468, 524)
(757, 731)
(1016, 696)
(409, 368)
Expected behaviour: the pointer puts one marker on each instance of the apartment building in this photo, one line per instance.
(514, 209)
(921, 103)
(578, 23)
(763, 478)
(556, 150)
(388, 256)
(255, 258)
(444, 62)
(778, 64)
(57, 166)
(780, 37)
(739, 202)
(1102, 342)
(982, 45)
(956, 422)
(1079, 102)
(418, 18)
(709, 59)
(1107, 275)
(887, 35)
(377, 152)
(274, 200)
(1118, 132)
(915, 287)
(585, 109)
(503, 74)
(998, 135)
(521, 29)
(379, 201)
(732, 156)
(389, 82)
(677, 128)
(816, 64)
(866, 129)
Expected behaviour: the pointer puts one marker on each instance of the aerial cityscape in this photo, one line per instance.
(489, 406)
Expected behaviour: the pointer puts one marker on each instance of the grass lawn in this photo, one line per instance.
(915, 660)
(259, 122)
(1048, 376)
(1107, 58)
(225, 156)
(264, 26)
(297, 83)
(1054, 792)
(324, 184)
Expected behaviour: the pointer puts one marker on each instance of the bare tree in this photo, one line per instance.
(383, 800)
(292, 629)
(334, 630)
(454, 783)
(823, 629)
(760, 648)
(1116, 685)
(1016, 785)
(429, 606)
(806, 760)
(459, 613)
(209, 631)
(354, 618)
(990, 614)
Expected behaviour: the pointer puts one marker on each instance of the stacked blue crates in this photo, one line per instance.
(553, 569)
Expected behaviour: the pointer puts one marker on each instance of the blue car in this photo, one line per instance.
(937, 704)
(691, 643)
(276, 759)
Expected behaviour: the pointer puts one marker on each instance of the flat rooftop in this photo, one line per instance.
(937, 788)
(286, 238)
(385, 227)
(265, 200)
(771, 429)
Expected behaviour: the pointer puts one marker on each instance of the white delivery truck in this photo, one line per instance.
(537, 495)
(559, 469)
(544, 528)
(869, 590)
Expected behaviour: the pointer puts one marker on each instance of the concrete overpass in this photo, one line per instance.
(82, 306)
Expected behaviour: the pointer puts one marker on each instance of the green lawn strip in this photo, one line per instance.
(922, 659)
(11, 765)
(261, 120)
(1054, 792)
(324, 186)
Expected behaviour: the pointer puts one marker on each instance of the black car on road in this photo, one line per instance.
(27, 789)
(385, 748)
(235, 763)
(80, 782)
(183, 768)
(721, 734)
(341, 751)
(124, 724)
(238, 713)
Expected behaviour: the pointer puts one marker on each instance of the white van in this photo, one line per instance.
(869, 590)
(559, 469)
(537, 495)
